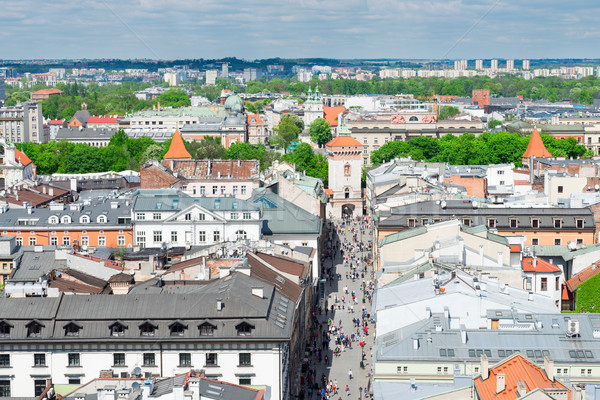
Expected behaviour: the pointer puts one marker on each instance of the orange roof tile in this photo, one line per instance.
(536, 146)
(22, 157)
(515, 248)
(343, 141)
(102, 120)
(177, 150)
(515, 368)
(541, 265)
(331, 113)
(256, 117)
(56, 122)
(583, 276)
(565, 293)
(48, 91)
(329, 192)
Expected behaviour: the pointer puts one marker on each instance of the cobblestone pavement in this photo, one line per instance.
(338, 367)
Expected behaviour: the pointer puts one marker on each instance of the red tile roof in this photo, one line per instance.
(56, 122)
(331, 113)
(329, 192)
(565, 293)
(22, 157)
(536, 146)
(541, 265)
(102, 120)
(515, 248)
(256, 117)
(344, 141)
(515, 368)
(177, 150)
(583, 276)
(48, 91)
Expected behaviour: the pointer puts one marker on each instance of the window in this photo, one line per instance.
(534, 241)
(365, 140)
(558, 223)
(201, 217)
(72, 329)
(74, 360)
(579, 241)
(243, 189)
(579, 223)
(557, 283)
(120, 240)
(141, 239)
(215, 189)
(185, 359)
(147, 329)
(206, 329)
(244, 329)
(439, 370)
(241, 235)
(156, 216)
(222, 189)
(466, 221)
(245, 359)
(246, 215)
(188, 217)
(471, 353)
(245, 380)
(140, 216)
(216, 236)
(211, 359)
(514, 222)
(39, 360)
(117, 329)
(85, 241)
(32, 241)
(19, 241)
(177, 329)
(235, 190)
(347, 170)
(66, 241)
(4, 387)
(101, 219)
(560, 189)
(235, 215)
(149, 359)
(557, 241)
(202, 236)
(4, 360)
(74, 381)
(101, 241)
(500, 172)
(174, 236)
(442, 352)
(528, 283)
(544, 284)
(412, 222)
(85, 219)
(39, 385)
(53, 241)
(65, 219)
(491, 222)
(118, 359)
(34, 329)
(202, 190)
(157, 236)
(535, 223)
(445, 370)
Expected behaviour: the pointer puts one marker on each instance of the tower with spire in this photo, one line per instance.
(313, 107)
(535, 149)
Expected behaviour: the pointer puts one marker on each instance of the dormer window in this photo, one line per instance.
(53, 220)
(244, 329)
(177, 328)
(72, 329)
(148, 329)
(5, 328)
(85, 219)
(206, 329)
(65, 219)
(101, 219)
(117, 329)
(34, 329)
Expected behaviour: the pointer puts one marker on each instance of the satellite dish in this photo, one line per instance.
(137, 371)
(131, 272)
(84, 247)
(597, 187)
(135, 385)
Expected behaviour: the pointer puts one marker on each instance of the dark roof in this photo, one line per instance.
(285, 264)
(282, 284)
(82, 116)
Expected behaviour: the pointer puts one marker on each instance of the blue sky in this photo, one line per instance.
(299, 28)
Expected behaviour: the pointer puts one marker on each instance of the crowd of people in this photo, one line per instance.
(347, 266)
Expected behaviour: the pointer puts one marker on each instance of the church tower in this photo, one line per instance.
(313, 107)
(344, 156)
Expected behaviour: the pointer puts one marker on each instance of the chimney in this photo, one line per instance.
(220, 304)
(521, 388)
(534, 261)
(485, 371)
(530, 296)
(463, 334)
(51, 191)
(549, 367)
(106, 374)
(500, 382)
(73, 184)
(44, 189)
(258, 291)
(415, 343)
(177, 392)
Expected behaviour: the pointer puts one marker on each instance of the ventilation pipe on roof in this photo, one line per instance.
(500, 382)
(485, 372)
(549, 367)
(220, 304)
(521, 388)
(415, 343)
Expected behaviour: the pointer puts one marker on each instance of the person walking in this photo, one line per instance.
(350, 374)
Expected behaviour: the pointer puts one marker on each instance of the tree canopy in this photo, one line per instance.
(320, 131)
(287, 131)
(305, 159)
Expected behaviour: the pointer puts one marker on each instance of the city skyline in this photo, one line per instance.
(308, 28)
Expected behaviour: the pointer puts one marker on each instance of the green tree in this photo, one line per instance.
(447, 112)
(287, 131)
(320, 131)
(494, 123)
(390, 151)
(152, 152)
(305, 159)
(175, 98)
(208, 147)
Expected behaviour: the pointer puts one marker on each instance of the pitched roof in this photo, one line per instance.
(22, 157)
(344, 141)
(256, 118)
(515, 368)
(82, 116)
(102, 120)
(331, 113)
(48, 91)
(177, 150)
(56, 122)
(536, 146)
(541, 265)
(583, 276)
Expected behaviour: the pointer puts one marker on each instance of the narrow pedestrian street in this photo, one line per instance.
(337, 362)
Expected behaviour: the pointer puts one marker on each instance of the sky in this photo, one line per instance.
(256, 29)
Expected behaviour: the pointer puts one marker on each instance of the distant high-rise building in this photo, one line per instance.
(7, 72)
(304, 75)
(211, 77)
(526, 64)
(225, 71)
(510, 65)
(460, 65)
(479, 65)
(172, 78)
(494, 65)
(252, 74)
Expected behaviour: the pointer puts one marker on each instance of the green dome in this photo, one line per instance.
(234, 103)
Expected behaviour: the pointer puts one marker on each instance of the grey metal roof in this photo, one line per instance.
(34, 264)
(85, 133)
(282, 217)
(218, 390)
(272, 316)
(174, 201)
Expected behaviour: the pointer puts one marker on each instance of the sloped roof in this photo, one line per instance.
(541, 265)
(49, 91)
(343, 141)
(102, 120)
(536, 146)
(515, 368)
(22, 157)
(331, 113)
(56, 122)
(583, 276)
(256, 118)
(177, 150)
